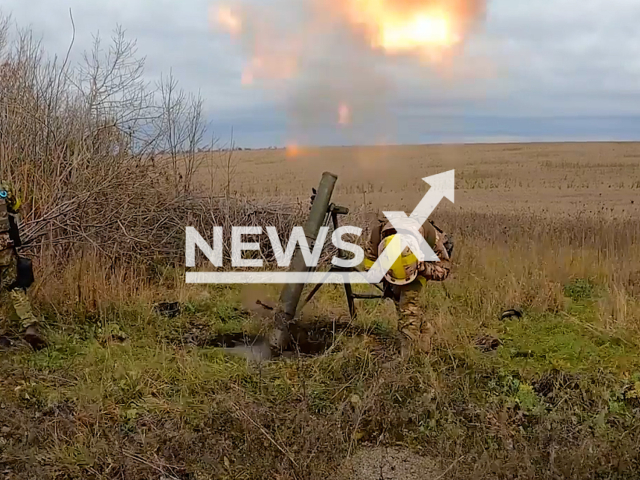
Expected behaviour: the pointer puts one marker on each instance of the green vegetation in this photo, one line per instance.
(148, 402)
(579, 289)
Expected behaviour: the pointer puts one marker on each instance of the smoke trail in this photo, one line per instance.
(336, 61)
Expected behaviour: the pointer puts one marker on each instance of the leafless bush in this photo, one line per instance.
(228, 166)
(180, 130)
(102, 159)
(144, 224)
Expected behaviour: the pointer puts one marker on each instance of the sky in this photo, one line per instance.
(545, 70)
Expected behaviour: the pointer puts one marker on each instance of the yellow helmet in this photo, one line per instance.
(404, 269)
(8, 195)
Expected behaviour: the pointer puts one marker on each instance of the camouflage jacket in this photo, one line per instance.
(436, 271)
(9, 238)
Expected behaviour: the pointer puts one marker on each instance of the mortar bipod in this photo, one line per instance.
(333, 214)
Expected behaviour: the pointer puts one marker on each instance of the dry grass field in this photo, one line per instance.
(558, 179)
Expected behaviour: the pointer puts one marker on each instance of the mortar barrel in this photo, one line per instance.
(290, 296)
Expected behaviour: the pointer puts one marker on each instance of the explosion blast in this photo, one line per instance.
(335, 58)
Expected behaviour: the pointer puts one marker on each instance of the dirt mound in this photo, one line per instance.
(388, 464)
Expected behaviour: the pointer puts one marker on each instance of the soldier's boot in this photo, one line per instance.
(30, 324)
(404, 346)
(406, 341)
(5, 342)
(427, 333)
(34, 337)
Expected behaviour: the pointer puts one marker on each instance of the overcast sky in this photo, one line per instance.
(534, 70)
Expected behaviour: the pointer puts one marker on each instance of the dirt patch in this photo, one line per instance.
(307, 339)
(382, 463)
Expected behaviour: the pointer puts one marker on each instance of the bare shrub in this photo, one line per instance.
(103, 160)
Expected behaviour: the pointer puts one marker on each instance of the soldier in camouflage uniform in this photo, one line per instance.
(407, 277)
(16, 274)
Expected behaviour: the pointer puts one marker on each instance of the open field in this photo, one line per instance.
(123, 392)
(569, 178)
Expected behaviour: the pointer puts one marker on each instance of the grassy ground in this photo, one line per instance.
(126, 393)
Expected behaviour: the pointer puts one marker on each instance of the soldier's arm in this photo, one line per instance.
(437, 271)
(6, 227)
(6, 244)
(14, 230)
(371, 248)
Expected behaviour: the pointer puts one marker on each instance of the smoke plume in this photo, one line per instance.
(337, 62)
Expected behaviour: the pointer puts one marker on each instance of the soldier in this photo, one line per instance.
(16, 274)
(406, 278)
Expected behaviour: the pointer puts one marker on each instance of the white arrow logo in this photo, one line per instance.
(442, 186)
(408, 227)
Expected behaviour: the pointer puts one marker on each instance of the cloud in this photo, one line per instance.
(562, 69)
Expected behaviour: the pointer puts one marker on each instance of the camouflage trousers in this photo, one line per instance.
(412, 324)
(17, 299)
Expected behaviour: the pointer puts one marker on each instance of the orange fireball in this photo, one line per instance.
(292, 151)
(398, 26)
(228, 20)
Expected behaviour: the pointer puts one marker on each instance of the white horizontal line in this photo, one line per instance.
(278, 277)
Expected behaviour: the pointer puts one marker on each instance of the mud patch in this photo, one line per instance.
(253, 347)
(389, 464)
(307, 339)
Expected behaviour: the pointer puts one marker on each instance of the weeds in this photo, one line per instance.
(579, 290)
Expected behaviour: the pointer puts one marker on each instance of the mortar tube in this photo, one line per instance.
(291, 293)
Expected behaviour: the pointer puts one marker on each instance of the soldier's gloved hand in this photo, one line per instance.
(448, 245)
(313, 196)
(6, 243)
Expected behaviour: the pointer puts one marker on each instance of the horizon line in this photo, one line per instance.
(479, 142)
